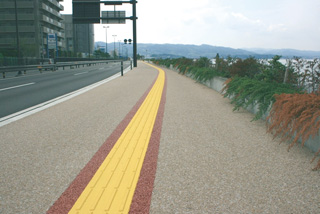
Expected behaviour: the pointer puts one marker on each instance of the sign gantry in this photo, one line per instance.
(88, 12)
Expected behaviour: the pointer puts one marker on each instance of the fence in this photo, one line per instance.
(14, 61)
(24, 68)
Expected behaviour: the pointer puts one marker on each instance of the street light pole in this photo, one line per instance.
(114, 46)
(119, 48)
(106, 27)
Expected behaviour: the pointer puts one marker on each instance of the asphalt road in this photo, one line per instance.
(22, 92)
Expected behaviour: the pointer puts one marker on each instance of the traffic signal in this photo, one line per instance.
(127, 40)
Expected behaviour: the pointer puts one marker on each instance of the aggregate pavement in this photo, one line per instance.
(211, 159)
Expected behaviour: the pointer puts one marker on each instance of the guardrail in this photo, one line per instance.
(52, 67)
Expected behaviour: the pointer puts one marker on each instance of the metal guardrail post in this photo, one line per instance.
(121, 68)
(40, 69)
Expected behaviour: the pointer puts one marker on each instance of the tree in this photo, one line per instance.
(28, 50)
(222, 66)
(140, 56)
(100, 54)
(203, 62)
(249, 67)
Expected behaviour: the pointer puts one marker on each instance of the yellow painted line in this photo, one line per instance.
(112, 187)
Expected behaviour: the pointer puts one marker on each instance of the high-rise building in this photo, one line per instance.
(84, 38)
(79, 38)
(69, 38)
(26, 26)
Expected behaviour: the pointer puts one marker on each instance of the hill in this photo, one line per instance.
(191, 51)
(287, 53)
(196, 51)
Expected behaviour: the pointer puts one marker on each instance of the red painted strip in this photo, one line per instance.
(72, 193)
(142, 196)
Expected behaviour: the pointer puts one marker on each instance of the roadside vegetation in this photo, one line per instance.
(288, 93)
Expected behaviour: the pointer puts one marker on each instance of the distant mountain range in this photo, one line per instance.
(286, 53)
(196, 51)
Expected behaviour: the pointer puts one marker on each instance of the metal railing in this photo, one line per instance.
(23, 69)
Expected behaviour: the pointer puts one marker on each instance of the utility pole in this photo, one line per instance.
(17, 32)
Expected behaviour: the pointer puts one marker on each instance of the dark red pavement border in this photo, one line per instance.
(142, 195)
(140, 200)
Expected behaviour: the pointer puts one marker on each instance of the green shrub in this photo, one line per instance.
(244, 92)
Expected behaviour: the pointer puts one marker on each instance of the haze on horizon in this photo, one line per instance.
(272, 24)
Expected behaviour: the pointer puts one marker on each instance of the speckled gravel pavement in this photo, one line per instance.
(211, 160)
(40, 155)
(214, 160)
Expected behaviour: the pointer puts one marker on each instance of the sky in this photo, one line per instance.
(269, 24)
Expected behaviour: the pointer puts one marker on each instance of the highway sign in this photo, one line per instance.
(117, 17)
(85, 12)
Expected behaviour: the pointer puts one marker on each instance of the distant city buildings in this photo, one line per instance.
(36, 28)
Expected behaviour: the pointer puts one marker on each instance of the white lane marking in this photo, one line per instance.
(32, 110)
(81, 73)
(17, 86)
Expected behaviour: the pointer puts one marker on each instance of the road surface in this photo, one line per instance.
(22, 92)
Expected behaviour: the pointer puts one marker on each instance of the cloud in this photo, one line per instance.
(277, 28)
(232, 23)
(243, 18)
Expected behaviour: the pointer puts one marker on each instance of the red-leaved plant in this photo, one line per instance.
(295, 115)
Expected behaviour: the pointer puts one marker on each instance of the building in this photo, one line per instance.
(79, 38)
(69, 40)
(37, 21)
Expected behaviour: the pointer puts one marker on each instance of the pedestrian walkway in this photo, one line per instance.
(210, 159)
(112, 187)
